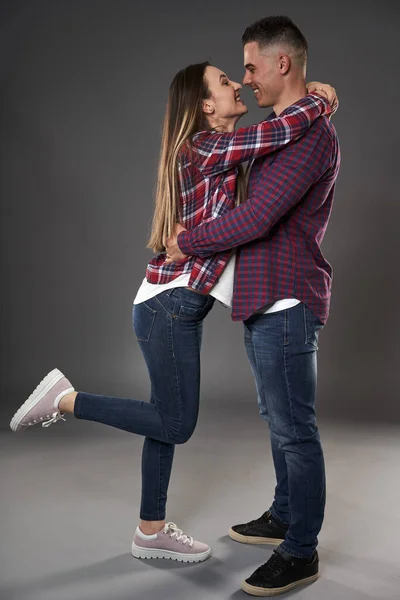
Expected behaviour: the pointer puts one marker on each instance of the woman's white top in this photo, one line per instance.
(222, 290)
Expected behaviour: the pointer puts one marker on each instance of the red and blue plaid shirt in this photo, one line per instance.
(280, 227)
(207, 180)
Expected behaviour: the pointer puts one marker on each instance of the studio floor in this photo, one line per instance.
(70, 497)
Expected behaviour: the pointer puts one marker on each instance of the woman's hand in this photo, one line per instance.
(325, 90)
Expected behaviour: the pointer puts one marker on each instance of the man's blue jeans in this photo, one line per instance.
(282, 350)
(168, 328)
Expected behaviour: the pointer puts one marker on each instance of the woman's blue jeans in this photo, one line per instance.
(168, 328)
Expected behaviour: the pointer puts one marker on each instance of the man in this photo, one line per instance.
(282, 294)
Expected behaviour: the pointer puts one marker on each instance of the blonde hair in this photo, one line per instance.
(183, 118)
(241, 185)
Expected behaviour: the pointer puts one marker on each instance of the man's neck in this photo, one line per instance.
(289, 97)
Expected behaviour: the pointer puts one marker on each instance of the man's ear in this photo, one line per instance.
(284, 63)
(207, 107)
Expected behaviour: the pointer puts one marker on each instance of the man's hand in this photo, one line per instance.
(171, 244)
(325, 90)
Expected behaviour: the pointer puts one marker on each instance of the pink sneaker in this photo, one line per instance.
(170, 543)
(43, 403)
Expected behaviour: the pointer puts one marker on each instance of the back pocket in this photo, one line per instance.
(143, 318)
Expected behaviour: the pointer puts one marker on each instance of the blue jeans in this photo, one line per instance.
(168, 328)
(282, 350)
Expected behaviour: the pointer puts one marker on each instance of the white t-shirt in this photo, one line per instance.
(222, 290)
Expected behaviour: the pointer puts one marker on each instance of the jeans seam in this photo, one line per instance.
(305, 323)
(176, 376)
(285, 328)
(170, 315)
(289, 395)
(159, 482)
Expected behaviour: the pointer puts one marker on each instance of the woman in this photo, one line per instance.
(198, 180)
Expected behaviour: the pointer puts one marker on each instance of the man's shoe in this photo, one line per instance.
(170, 543)
(265, 530)
(281, 573)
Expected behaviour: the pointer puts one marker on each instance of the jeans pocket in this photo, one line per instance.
(191, 297)
(190, 305)
(188, 312)
(312, 327)
(143, 317)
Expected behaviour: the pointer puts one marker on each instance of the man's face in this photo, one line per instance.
(262, 74)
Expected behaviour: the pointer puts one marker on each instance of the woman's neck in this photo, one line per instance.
(223, 125)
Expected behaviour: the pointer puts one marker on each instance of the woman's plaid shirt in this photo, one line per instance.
(207, 181)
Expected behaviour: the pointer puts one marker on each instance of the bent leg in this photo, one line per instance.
(168, 330)
(182, 344)
(170, 347)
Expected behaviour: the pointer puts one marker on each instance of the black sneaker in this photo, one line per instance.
(281, 573)
(265, 530)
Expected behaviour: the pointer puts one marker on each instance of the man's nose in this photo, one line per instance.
(247, 78)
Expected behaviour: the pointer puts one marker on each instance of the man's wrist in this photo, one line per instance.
(184, 243)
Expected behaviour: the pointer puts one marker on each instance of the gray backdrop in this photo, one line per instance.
(83, 90)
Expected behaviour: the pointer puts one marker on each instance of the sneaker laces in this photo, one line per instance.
(275, 565)
(57, 416)
(174, 531)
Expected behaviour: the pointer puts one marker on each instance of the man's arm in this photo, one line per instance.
(280, 188)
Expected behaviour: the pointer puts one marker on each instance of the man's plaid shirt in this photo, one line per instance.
(280, 227)
(207, 180)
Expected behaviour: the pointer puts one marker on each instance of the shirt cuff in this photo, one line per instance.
(328, 107)
(184, 243)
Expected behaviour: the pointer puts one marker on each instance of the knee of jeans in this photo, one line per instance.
(182, 432)
(183, 436)
(297, 439)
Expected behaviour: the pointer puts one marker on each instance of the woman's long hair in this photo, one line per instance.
(183, 118)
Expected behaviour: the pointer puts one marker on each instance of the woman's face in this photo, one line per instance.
(224, 103)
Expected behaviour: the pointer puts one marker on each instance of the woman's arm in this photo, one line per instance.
(213, 153)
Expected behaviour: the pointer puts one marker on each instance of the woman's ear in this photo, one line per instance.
(207, 107)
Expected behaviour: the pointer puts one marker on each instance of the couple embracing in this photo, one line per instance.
(253, 243)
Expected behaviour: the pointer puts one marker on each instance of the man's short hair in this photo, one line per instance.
(273, 31)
